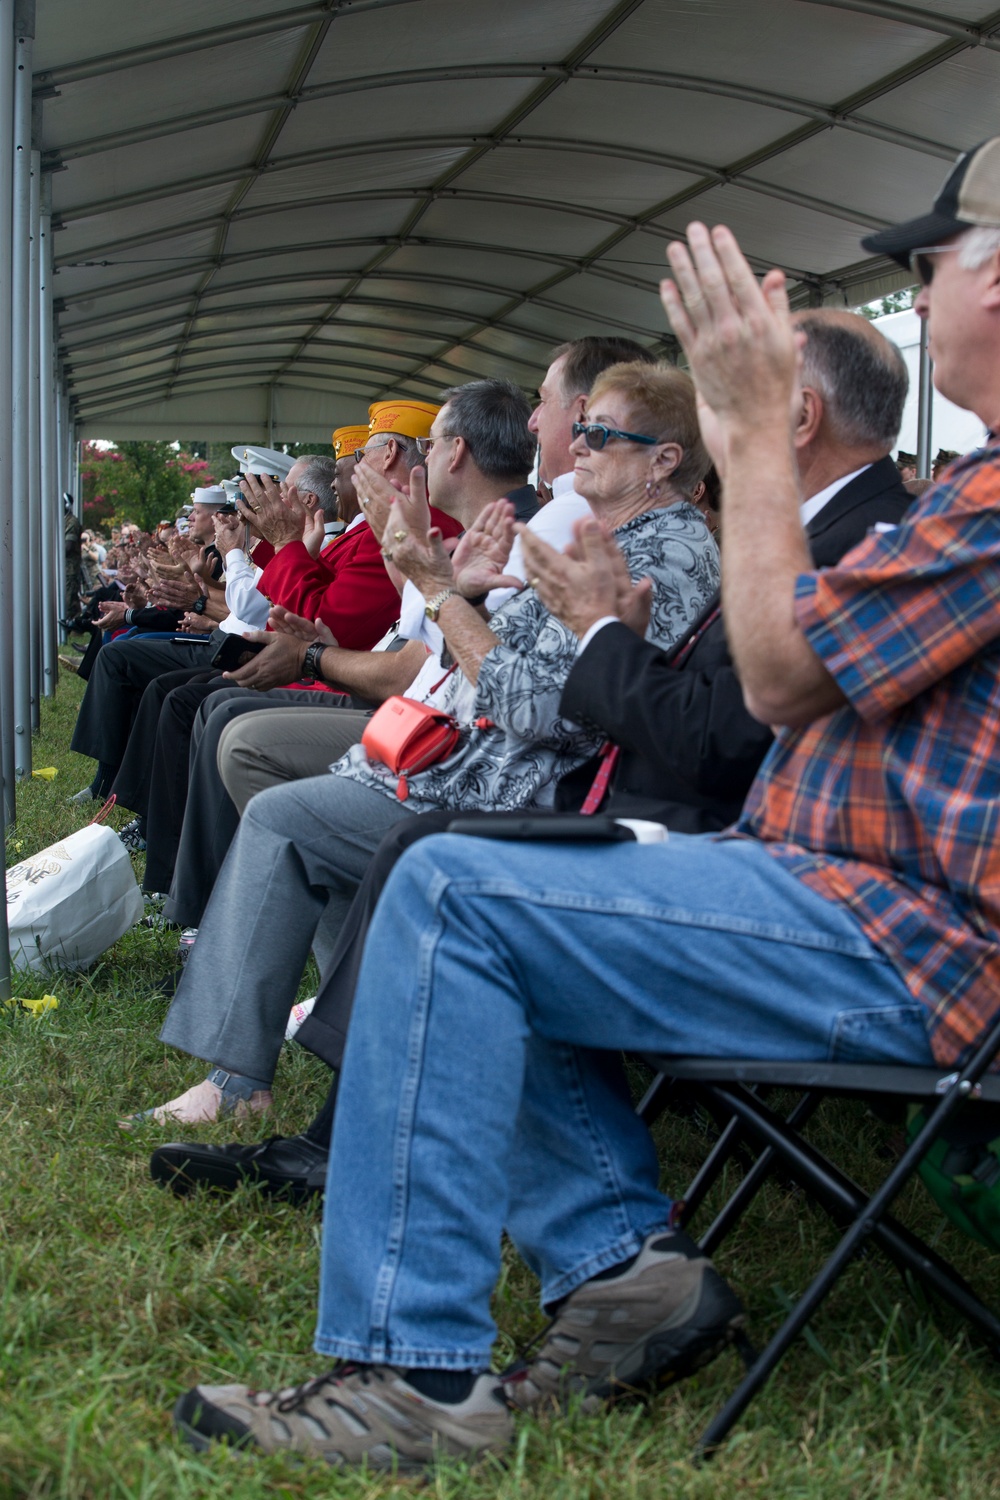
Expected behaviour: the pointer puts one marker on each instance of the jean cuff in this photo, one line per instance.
(631, 1244)
(402, 1357)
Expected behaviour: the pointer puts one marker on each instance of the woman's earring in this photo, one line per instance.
(653, 490)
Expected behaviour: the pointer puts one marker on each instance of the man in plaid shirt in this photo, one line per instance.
(854, 913)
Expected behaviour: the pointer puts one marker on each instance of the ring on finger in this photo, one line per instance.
(399, 536)
(534, 582)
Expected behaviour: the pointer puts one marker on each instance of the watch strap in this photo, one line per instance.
(311, 660)
(433, 606)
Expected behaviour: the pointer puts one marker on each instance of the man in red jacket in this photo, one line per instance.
(347, 586)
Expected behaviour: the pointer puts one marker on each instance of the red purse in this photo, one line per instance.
(408, 736)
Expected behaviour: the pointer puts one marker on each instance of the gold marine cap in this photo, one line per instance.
(346, 439)
(408, 418)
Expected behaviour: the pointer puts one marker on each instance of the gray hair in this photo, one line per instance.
(407, 446)
(977, 245)
(862, 378)
(492, 416)
(317, 477)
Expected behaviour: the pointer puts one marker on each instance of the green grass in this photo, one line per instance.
(116, 1297)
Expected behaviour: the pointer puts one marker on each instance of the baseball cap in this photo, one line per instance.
(970, 197)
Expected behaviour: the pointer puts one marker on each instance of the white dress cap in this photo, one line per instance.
(214, 495)
(262, 460)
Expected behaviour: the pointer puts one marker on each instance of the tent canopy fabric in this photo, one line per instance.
(269, 214)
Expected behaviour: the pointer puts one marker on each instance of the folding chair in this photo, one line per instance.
(730, 1090)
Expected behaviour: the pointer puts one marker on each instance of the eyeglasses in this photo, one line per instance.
(359, 453)
(922, 266)
(425, 444)
(595, 435)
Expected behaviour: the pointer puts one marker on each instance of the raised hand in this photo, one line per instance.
(284, 622)
(314, 532)
(412, 545)
(230, 533)
(588, 581)
(737, 334)
(280, 519)
(482, 552)
(376, 495)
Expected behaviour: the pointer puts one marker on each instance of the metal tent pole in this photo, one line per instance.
(6, 426)
(925, 399)
(36, 523)
(51, 497)
(24, 28)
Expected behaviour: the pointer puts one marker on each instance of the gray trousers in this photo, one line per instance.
(297, 859)
(210, 817)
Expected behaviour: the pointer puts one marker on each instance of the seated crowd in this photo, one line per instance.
(809, 759)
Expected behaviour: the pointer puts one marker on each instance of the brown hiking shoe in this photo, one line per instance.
(356, 1413)
(666, 1316)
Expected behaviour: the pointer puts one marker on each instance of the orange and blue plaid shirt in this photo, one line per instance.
(891, 804)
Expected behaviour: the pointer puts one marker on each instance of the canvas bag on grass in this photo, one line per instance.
(70, 902)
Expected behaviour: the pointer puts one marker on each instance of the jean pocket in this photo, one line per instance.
(881, 1033)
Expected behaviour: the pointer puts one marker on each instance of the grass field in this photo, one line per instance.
(116, 1297)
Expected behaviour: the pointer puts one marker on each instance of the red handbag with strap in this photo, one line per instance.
(408, 736)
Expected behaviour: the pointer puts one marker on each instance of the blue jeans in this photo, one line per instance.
(482, 1087)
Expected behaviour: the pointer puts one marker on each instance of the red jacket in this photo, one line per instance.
(347, 586)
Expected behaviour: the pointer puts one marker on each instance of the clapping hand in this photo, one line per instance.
(588, 581)
(284, 622)
(482, 552)
(413, 546)
(279, 516)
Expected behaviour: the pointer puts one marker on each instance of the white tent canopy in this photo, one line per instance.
(267, 214)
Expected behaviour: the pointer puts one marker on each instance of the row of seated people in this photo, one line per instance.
(479, 1086)
(547, 688)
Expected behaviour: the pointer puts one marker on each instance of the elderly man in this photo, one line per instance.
(855, 915)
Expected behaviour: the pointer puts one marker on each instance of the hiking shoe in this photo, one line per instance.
(667, 1315)
(82, 797)
(353, 1414)
(131, 836)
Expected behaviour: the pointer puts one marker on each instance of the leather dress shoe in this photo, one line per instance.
(292, 1165)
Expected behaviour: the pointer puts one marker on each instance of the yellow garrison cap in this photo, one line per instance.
(346, 439)
(408, 418)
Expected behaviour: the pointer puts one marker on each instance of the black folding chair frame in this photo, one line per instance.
(726, 1087)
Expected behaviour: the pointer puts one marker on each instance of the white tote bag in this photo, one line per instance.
(68, 903)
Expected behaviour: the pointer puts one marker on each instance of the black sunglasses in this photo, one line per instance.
(921, 263)
(595, 435)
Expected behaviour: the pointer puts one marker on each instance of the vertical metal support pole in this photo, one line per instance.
(6, 425)
(24, 30)
(36, 526)
(77, 466)
(925, 398)
(62, 482)
(51, 498)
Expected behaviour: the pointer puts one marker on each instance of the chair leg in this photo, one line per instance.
(869, 1220)
(733, 1210)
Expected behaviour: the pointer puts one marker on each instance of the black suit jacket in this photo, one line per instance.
(690, 750)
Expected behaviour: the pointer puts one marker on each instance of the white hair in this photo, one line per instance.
(977, 246)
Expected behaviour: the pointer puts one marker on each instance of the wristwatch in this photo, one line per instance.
(433, 606)
(198, 607)
(310, 662)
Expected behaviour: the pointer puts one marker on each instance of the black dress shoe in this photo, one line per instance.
(290, 1164)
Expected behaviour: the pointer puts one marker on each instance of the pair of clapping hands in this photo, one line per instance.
(585, 583)
(277, 512)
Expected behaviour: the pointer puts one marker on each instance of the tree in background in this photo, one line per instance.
(895, 302)
(144, 482)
